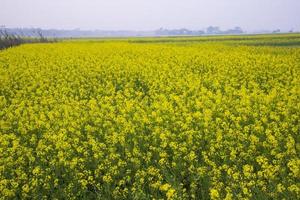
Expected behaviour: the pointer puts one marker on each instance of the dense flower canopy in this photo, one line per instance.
(125, 120)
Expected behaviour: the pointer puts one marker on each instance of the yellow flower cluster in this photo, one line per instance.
(138, 120)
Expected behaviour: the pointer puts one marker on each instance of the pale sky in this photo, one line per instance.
(151, 14)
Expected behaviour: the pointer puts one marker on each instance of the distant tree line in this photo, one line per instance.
(76, 33)
(211, 30)
(17, 35)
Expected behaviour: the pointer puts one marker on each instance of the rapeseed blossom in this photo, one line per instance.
(135, 120)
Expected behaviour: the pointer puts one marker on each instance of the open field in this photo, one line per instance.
(151, 118)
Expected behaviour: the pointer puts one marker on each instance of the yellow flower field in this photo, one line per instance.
(147, 119)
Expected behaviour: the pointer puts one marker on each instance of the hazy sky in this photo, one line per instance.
(151, 14)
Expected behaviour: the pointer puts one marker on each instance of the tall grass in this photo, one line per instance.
(9, 40)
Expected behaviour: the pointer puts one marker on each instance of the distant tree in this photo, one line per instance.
(235, 30)
(213, 30)
(238, 29)
(276, 31)
(200, 32)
